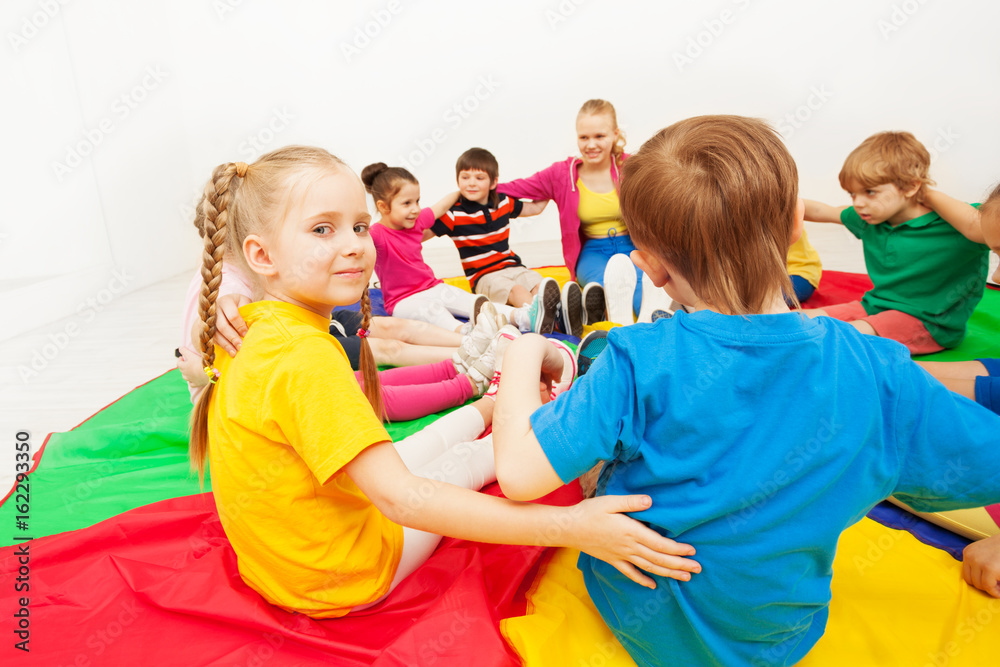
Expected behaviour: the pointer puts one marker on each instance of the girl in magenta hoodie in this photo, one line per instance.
(585, 189)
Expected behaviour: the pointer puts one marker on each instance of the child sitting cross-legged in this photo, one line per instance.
(761, 434)
(927, 276)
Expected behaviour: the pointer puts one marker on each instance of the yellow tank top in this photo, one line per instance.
(599, 213)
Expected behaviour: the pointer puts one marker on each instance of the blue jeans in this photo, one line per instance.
(988, 388)
(803, 288)
(594, 256)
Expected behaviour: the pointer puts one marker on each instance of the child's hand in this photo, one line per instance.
(627, 544)
(191, 368)
(551, 370)
(229, 325)
(981, 565)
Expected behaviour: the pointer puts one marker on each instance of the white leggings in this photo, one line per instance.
(445, 451)
(439, 304)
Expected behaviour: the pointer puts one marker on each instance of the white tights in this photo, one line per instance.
(445, 451)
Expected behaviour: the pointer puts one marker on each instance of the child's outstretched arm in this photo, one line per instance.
(441, 207)
(820, 212)
(530, 208)
(958, 214)
(981, 565)
(595, 526)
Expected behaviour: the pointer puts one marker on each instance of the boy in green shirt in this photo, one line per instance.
(927, 276)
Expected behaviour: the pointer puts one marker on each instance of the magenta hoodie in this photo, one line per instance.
(558, 183)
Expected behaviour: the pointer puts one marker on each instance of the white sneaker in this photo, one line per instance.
(653, 299)
(503, 340)
(483, 371)
(569, 368)
(477, 307)
(478, 340)
(619, 288)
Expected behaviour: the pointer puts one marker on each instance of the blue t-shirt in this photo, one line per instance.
(760, 439)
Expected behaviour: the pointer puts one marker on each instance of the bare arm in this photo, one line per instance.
(820, 212)
(958, 214)
(597, 528)
(530, 208)
(523, 470)
(441, 207)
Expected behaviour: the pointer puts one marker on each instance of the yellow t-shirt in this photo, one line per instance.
(285, 417)
(599, 213)
(803, 260)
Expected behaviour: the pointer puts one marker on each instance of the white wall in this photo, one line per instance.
(158, 93)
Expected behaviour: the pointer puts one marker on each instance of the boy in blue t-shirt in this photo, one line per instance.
(759, 433)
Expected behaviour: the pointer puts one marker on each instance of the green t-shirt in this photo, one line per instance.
(923, 267)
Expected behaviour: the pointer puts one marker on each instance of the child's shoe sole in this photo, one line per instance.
(594, 305)
(572, 308)
(619, 288)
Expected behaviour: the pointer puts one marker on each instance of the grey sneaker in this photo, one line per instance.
(593, 303)
(572, 309)
(543, 309)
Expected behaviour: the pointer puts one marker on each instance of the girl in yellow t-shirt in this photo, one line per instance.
(311, 492)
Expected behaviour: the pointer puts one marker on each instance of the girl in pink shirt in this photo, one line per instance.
(409, 288)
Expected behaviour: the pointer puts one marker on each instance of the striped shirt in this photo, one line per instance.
(481, 235)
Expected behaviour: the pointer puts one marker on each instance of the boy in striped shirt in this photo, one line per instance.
(479, 224)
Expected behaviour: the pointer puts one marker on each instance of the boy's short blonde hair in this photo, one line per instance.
(888, 157)
(716, 196)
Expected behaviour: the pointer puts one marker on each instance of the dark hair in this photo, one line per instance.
(383, 182)
(480, 159)
(716, 197)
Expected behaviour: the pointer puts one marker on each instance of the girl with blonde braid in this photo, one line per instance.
(311, 492)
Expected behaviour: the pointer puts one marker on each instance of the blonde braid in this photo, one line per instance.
(369, 370)
(213, 211)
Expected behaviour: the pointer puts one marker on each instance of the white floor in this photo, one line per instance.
(52, 381)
